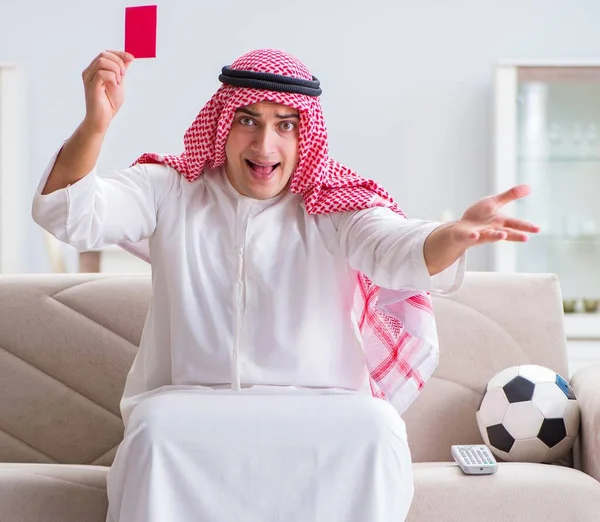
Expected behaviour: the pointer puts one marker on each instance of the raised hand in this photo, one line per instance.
(103, 81)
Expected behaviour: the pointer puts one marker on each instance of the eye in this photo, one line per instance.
(287, 126)
(246, 121)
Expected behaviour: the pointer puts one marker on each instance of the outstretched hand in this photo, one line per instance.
(483, 221)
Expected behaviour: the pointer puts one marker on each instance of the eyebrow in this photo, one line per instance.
(258, 114)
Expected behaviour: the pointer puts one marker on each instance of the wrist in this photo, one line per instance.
(441, 248)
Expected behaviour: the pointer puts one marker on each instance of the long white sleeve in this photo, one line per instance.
(103, 210)
(388, 249)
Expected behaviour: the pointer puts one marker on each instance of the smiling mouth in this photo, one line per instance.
(262, 169)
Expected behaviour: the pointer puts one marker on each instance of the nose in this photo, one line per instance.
(264, 142)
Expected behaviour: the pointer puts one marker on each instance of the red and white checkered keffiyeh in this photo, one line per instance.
(398, 328)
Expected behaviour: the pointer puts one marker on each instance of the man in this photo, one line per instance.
(289, 312)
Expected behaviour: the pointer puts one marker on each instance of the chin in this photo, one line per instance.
(265, 193)
(265, 190)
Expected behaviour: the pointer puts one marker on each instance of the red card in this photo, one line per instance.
(140, 31)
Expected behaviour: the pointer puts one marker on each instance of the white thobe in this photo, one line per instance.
(251, 310)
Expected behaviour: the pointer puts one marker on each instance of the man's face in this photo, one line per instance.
(262, 149)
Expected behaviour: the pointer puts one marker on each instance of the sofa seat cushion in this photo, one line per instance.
(519, 492)
(52, 493)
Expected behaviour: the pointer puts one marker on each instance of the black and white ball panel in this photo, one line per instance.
(529, 413)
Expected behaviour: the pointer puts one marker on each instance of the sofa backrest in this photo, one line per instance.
(493, 322)
(66, 345)
(67, 342)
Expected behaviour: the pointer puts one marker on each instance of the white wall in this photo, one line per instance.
(407, 85)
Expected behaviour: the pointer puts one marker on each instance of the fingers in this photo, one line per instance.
(126, 57)
(521, 225)
(470, 235)
(103, 77)
(514, 235)
(512, 194)
(490, 235)
(104, 65)
(115, 61)
(120, 57)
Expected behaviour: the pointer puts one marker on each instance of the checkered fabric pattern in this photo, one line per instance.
(394, 356)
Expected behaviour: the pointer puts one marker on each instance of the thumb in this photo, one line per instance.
(128, 59)
(512, 194)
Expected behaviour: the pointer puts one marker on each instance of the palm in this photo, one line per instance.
(483, 222)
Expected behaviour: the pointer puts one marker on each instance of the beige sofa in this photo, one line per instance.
(67, 342)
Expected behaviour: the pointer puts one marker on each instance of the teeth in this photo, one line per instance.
(262, 164)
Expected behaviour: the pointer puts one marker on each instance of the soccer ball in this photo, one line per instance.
(529, 413)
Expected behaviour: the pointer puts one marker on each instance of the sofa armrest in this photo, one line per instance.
(586, 384)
